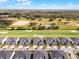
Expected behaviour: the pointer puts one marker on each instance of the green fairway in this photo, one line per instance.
(39, 33)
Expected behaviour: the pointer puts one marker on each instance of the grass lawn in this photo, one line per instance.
(39, 33)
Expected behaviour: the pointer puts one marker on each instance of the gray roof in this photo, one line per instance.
(2, 55)
(22, 55)
(58, 54)
(5, 54)
(40, 55)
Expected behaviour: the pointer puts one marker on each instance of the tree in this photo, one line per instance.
(18, 15)
(51, 19)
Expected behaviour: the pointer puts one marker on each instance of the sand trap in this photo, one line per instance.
(73, 31)
(35, 35)
(28, 30)
(3, 32)
(38, 36)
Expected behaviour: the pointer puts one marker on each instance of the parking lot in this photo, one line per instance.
(38, 48)
(58, 54)
(35, 54)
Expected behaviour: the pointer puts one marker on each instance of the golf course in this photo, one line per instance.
(39, 33)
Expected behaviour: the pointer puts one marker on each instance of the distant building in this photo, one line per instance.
(6, 22)
(4, 16)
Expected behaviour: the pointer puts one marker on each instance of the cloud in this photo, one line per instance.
(21, 4)
(2, 1)
(69, 6)
(59, 6)
(30, 4)
(54, 6)
(24, 2)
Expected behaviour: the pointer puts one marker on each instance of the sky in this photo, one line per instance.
(39, 4)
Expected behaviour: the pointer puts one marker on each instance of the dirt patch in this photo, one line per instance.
(21, 23)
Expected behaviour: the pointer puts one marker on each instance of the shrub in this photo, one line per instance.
(51, 19)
